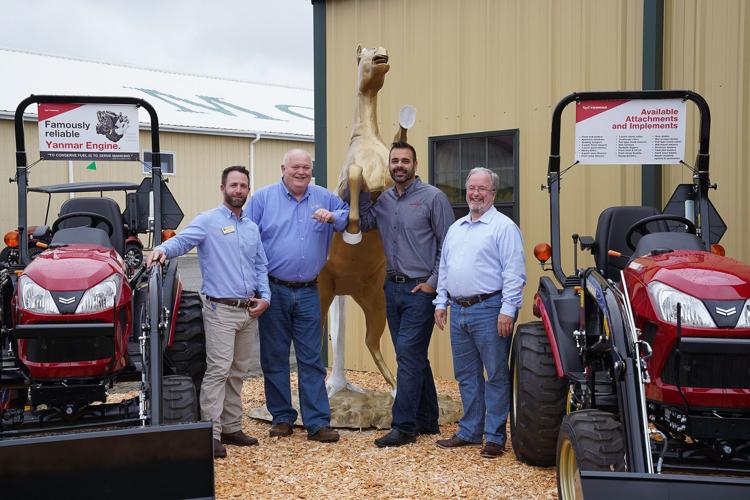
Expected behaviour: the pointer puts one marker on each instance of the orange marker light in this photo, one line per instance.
(718, 249)
(12, 239)
(542, 252)
(614, 253)
(167, 233)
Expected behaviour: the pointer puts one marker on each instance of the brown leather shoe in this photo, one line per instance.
(454, 442)
(238, 438)
(281, 429)
(219, 450)
(492, 450)
(324, 435)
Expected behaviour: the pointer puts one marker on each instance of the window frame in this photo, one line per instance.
(515, 133)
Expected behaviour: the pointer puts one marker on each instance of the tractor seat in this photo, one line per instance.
(92, 235)
(107, 208)
(610, 235)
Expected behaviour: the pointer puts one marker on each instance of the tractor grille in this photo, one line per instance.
(66, 350)
(710, 370)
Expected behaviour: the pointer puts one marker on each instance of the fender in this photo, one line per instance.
(558, 310)
(172, 286)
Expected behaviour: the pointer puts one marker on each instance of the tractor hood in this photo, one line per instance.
(701, 274)
(73, 267)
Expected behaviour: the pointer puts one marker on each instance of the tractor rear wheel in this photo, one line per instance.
(180, 403)
(589, 440)
(187, 354)
(538, 396)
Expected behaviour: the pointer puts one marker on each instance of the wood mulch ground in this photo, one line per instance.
(293, 467)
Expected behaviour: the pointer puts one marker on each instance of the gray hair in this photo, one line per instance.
(495, 178)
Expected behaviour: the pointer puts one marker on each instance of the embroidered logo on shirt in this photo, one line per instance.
(227, 229)
(415, 204)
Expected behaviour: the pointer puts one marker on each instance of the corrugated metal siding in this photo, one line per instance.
(199, 162)
(707, 46)
(479, 65)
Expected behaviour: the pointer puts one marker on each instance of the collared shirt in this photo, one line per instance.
(296, 244)
(230, 254)
(412, 226)
(481, 257)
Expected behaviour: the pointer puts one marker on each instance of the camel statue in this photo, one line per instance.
(356, 263)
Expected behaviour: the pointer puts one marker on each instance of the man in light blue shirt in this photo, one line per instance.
(235, 293)
(482, 275)
(296, 222)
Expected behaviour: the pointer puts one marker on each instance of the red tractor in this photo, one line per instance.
(79, 319)
(642, 362)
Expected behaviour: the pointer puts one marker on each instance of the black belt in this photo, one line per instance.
(293, 284)
(397, 277)
(241, 303)
(474, 299)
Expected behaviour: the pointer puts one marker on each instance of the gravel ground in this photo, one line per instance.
(294, 467)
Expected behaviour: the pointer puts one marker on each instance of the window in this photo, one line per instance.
(453, 156)
(167, 163)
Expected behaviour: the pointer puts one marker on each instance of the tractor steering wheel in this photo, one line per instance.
(94, 220)
(640, 226)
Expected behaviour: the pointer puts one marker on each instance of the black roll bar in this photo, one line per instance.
(22, 164)
(700, 178)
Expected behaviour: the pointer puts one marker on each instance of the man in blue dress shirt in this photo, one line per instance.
(296, 222)
(482, 275)
(235, 293)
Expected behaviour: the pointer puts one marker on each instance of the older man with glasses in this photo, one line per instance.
(482, 275)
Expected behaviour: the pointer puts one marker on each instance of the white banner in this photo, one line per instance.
(622, 131)
(88, 131)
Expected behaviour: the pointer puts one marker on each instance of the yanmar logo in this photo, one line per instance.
(66, 300)
(726, 312)
(589, 106)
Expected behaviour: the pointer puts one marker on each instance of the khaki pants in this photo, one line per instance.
(228, 334)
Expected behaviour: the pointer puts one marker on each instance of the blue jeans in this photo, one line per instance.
(410, 320)
(294, 316)
(477, 347)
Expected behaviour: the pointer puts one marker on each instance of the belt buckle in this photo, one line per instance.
(399, 278)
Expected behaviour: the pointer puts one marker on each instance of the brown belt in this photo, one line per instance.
(241, 303)
(474, 299)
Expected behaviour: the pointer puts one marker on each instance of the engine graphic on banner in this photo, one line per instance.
(88, 131)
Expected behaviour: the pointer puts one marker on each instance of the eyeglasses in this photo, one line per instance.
(480, 190)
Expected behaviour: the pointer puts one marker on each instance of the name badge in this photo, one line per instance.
(227, 229)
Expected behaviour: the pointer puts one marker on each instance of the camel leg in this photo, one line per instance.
(326, 290)
(372, 302)
(352, 235)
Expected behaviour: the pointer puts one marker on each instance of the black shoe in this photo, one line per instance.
(492, 450)
(454, 442)
(324, 435)
(238, 438)
(428, 430)
(219, 450)
(395, 438)
(281, 429)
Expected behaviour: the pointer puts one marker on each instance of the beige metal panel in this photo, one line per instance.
(707, 49)
(481, 65)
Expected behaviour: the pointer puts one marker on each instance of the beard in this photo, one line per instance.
(402, 175)
(235, 201)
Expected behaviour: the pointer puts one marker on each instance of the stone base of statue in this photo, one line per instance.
(362, 410)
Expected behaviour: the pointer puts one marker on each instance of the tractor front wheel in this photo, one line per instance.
(180, 403)
(589, 440)
(538, 396)
(187, 354)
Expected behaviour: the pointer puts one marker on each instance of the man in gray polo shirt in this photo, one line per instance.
(412, 218)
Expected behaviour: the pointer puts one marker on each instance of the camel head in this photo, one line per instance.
(372, 65)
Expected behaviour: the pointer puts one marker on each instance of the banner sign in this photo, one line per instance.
(624, 131)
(88, 131)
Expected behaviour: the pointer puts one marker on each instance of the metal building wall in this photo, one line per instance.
(482, 65)
(199, 161)
(707, 49)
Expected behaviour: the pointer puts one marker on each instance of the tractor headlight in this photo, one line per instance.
(666, 298)
(744, 321)
(34, 298)
(100, 297)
